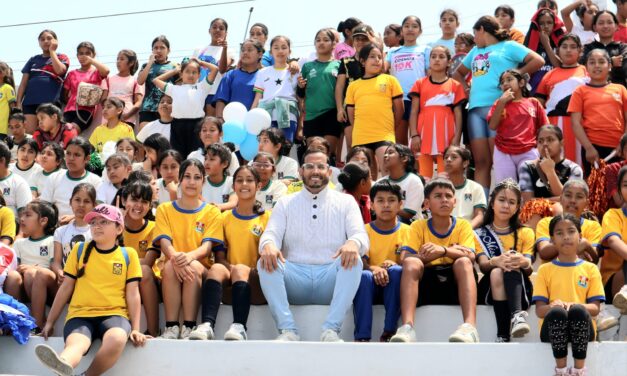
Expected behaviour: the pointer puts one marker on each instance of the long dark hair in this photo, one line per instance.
(45, 209)
(257, 207)
(514, 221)
(492, 26)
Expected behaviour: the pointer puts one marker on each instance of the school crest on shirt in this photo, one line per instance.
(200, 227)
(43, 250)
(225, 199)
(257, 230)
(582, 281)
(269, 199)
(617, 97)
(481, 65)
(383, 87)
(143, 245)
(6, 191)
(117, 268)
(280, 175)
(398, 249)
(467, 196)
(531, 111)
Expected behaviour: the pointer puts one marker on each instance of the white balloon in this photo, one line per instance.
(257, 120)
(235, 112)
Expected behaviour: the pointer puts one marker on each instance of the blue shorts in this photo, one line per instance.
(478, 125)
(288, 133)
(407, 111)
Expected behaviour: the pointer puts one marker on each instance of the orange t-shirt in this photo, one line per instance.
(517, 35)
(603, 119)
(558, 85)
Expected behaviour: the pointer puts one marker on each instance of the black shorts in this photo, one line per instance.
(407, 109)
(609, 297)
(29, 109)
(324, 125)
(148, 116)
(373, 146)
(484, 294)
(183, 137)
(82, 118)
(438, 286)
(95, 327)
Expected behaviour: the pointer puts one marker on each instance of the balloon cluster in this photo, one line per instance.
(241, 127)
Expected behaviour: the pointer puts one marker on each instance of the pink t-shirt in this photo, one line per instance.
(124, 88)
(343, 50)
(72, 80)
(520, 120)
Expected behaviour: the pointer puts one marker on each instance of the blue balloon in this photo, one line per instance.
(234, 132)
(249, 147)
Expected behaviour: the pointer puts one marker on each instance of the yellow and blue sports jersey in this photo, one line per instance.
(101, 291)
(188, 229)
(590, 230)
(7, 97)
(422, 232)
(571, 282)
(614, 224)
(141, 241)
(241, 236)
(7, 224)
(524, 244)
(386, 244)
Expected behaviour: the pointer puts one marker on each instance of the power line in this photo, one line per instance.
(125, 13)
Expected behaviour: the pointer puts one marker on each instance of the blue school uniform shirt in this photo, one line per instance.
(44, 85)
(267, 60)
(408, 64)
(236, 86)
(487, 64)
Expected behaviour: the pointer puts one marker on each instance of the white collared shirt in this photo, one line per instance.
(310, 228)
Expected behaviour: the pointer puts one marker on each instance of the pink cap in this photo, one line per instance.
(108, 212)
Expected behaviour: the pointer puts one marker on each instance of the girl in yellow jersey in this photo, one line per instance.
(186, 229)
(236, 261)
(505, 255)
(568, 292)
(139, 231)
(102, 280)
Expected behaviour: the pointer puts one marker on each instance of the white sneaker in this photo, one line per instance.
(287, 335)
(405, 333)
(203, 331)
(171, 332)
(577, 371)
(465, 333)
(52, 360)
(330, 335)
(562, 371)
(620, 299)
(605, 320)
(236, 332)
(520, 327)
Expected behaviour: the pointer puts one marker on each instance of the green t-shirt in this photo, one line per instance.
(320, 91)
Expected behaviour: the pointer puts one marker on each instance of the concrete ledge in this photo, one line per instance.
(164, 357)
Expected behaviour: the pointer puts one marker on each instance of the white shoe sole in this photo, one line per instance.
(51, 359)
(620, 301)
(233, 337)
(521, 331)
(607, 324)
(400, 339)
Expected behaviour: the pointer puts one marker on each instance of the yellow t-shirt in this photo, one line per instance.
(7, 223)
(524, 245)
(576, 282)
(590, 230)
(141, 240)
(386, 245)
(103, 134)
(614, 224)
(422, 232)
(372, 98)
(7, 96)
(241, 236)
(188, 229)
(101, 291)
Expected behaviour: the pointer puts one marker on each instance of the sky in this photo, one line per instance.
(187, 29)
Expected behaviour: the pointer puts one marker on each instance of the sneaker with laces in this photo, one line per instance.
(287, 335)
(405, 333)
(605, 320)
(330, 335)
(236, 332)
(186, 331)
(465, 333)
(53, 361)
(520, 327)
(577, 371)
(171, 332)
(202, 332)
(620, 299)
(562, 371)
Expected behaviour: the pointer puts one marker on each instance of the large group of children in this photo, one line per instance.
(118, 192)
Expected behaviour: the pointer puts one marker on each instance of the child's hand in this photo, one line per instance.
(429, 252)
(381, 277)
(617, 61)
(223, 43)
(47, 330)
(592, 155)
(24, 268)
(151, 59)
(387, 264)
(507, 96)
(501, 262)
(557, 303)
(341, 116)
(60, 277)
(547, 164)
(415, 144)
(302, 82)
(65, 219)
(54, 44)
(182, 259)
(137, 338)
(293, 67)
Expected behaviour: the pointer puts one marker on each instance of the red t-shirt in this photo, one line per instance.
(65, 134)
(621, 34)
(520, 121)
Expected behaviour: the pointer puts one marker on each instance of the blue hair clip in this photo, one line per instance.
(185, 60)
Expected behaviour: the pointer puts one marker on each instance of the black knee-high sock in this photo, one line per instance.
(625, 271)
(513, 288)
(501, 312)
(211, 296)
(241, 302)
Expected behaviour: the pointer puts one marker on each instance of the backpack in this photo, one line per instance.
(81, 245)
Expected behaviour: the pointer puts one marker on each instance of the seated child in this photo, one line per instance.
(118, 167)
(218, 187)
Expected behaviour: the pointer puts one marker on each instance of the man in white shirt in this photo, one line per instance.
(310, 252)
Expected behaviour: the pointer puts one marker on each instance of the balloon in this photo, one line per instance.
(257, 120)
(249, 147)
(233, 132)
(235, 112)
